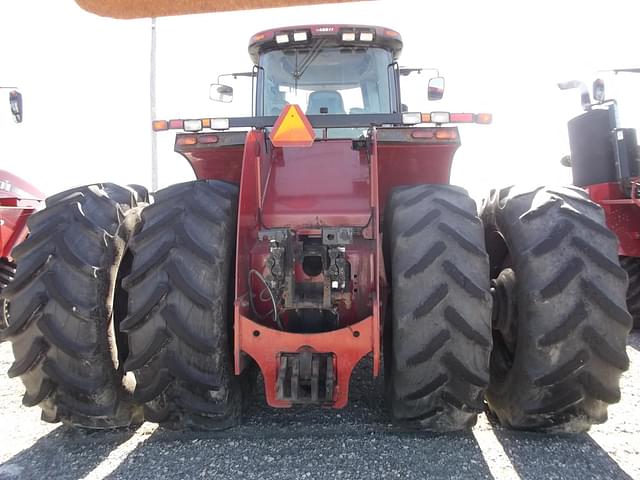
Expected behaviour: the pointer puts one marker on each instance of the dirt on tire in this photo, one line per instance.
(180, 309)
(60, 308)
(559, 349)
(438, 337)
(632, 266)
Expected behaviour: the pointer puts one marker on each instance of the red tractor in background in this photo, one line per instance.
(605, 160)
(18, 200)
(321, 230)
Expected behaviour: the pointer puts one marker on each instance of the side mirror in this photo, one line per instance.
(598, 90)
(15, 100)
(436, 88)
(585, 98)
(566, 161)
(221, 93)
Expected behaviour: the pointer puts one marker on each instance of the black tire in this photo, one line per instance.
(559, 343)
(632, 266)
(438, 334)
(60, 309)
(141, 193)
(7, 274)
(180, 307)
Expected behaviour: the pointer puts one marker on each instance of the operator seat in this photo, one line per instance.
(325, 101)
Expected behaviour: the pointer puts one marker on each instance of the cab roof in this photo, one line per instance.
(334, 35)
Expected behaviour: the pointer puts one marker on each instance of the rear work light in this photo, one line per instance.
(300, 36)
(349, 37)
(176, 124)
(192, 125)
(366, 37)
(282, 38)
(440, 117)
(219, 123)
(411, 118)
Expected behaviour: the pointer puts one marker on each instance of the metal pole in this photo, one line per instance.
(152, 91)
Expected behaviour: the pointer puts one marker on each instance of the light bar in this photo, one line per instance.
(348, 37)
(366, 37)
(300, 36)
(219, 123)
(282, 38)
(412, 118)
(175, 124)
(440, 117)
(192, 125)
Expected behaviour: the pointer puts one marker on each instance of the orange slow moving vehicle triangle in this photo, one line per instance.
(292, 129)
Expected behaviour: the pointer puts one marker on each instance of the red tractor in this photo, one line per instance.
(18, 200)
(321, 231)
(605, 160)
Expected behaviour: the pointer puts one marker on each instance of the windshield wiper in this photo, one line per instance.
(307, 60)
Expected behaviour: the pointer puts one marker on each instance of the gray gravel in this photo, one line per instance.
(357, 442)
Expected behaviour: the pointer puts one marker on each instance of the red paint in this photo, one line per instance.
(413, 163)
(327, 184)
(622, 215)
(265, 349)
(18, 200)
(248, 212)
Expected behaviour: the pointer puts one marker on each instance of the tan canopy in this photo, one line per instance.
(164, 8)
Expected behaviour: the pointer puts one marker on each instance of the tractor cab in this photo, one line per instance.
(327, 70)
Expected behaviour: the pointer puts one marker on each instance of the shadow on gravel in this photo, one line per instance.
(537, 455)
(344, 455)
(311, 442)
(64, 453)
(634, 340)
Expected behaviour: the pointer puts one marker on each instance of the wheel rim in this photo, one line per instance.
(504, 320)
(4, 314)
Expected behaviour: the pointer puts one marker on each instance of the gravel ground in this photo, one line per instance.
(356, 442)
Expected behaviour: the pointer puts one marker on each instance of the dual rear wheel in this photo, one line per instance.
(549, 354)
(120, 309)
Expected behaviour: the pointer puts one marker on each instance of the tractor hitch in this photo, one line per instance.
(306, 377)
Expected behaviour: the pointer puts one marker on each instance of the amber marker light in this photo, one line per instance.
(186, 140)
(484, 118)
(160, 125)
(446, 134)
